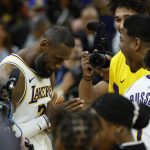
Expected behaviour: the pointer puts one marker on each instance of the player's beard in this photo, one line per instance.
(41, 66)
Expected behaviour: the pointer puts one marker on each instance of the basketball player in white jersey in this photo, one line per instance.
(33, 95)
(135, 45)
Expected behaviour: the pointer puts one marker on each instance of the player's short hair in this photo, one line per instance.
(138, 26)
(140, 6)
(76, 130)
(119, 110)
(60, 35)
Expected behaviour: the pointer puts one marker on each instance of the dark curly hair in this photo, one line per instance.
(138, 26)
(119, 110)
(76, 130)
(140, 6)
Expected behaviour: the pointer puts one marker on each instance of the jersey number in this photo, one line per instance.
(41, 109)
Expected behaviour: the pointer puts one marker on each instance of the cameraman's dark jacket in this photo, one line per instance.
(8, 141)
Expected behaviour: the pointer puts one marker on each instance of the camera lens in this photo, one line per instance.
(98, 60)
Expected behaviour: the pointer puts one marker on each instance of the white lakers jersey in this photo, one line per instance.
(140, 92)
(38, 92)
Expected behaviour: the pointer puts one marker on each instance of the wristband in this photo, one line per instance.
(86, 78)
(32, 127)
(47, 120)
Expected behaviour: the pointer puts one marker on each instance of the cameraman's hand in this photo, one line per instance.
(86, 67)
(103, 72)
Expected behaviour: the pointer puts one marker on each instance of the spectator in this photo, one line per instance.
(6, 46)
(69, 75)
(117, 117)
(38, 25)
(10, 12)
(79, 129)
(88, 14)
(61, 12)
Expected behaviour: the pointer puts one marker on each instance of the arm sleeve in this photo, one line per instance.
(31, 128)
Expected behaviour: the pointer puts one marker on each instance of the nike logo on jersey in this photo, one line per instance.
(39, 127)
(30, 80)
(122, 81)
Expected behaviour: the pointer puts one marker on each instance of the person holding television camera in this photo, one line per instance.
(118, 68)
(96, 62)
(135, 43)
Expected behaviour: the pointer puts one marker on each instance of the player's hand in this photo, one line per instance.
(71, 105)
(86, 67)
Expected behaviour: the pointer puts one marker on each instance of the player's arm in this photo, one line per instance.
(45, 122)
(31, 128)
(88, 92)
